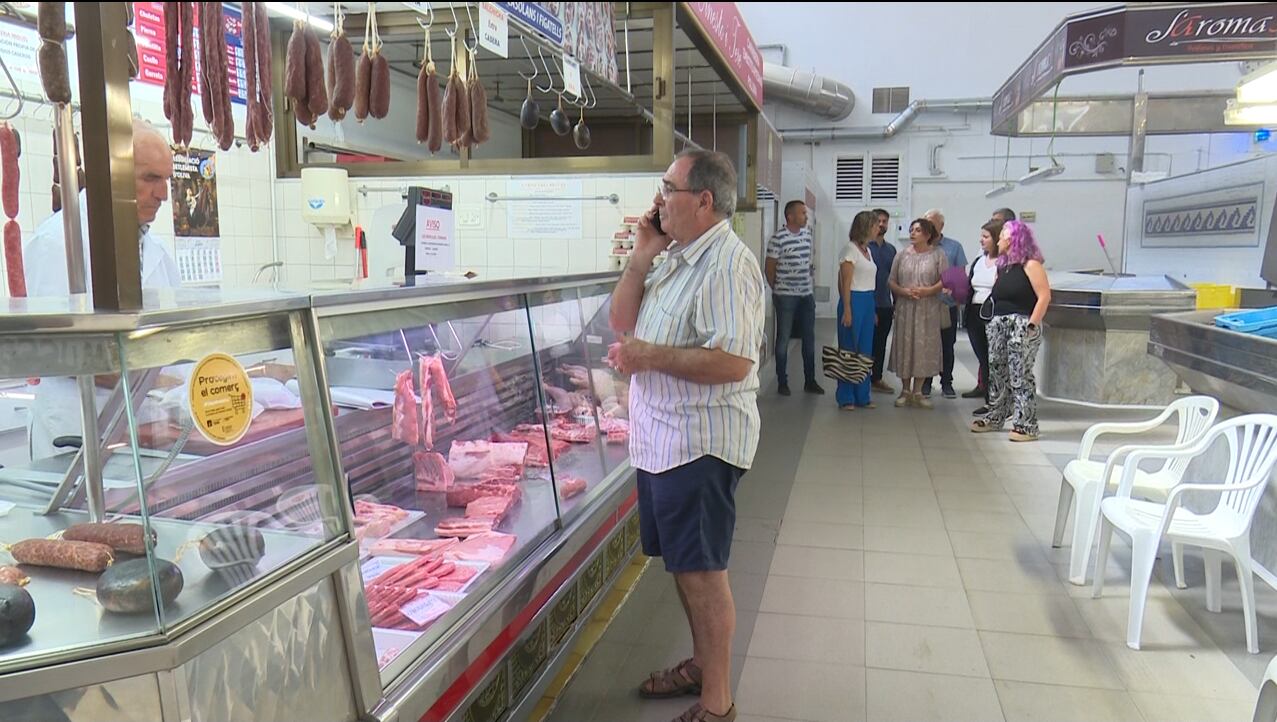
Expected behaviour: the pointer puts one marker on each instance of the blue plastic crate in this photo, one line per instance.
(1252, 321)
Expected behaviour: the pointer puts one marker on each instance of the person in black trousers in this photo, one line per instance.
(883, 253)
(982, 273)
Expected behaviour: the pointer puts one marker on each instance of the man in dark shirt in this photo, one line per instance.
(883, 253)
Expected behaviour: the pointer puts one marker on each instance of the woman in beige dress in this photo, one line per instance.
(915, 281)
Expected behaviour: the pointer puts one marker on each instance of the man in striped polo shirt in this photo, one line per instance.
(691, 331)
(790, 270)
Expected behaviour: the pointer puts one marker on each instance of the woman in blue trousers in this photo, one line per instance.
(857, 274)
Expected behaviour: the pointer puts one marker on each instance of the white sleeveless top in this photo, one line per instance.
(864, 272)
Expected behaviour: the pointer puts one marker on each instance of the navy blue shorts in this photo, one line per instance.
(688, 514)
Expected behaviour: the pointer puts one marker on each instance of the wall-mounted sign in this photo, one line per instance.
(725, 27)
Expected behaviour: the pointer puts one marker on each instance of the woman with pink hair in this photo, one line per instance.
(1014, 311)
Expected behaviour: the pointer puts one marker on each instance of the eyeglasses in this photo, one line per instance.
(666, 190)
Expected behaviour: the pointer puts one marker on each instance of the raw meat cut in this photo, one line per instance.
(568, 487)
(472, 459)
(431, 471)
(505, 474)
(368, 511)
(573, 433)
(410, 546)
(489, 507)
(490, 547)
(404, 424)
(608, 424)
(618, 437)
(537, 454)
(460, 576)
(433, 378)
(463, 494)
(463, 527)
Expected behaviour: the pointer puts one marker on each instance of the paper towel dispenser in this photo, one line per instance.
(325, 196)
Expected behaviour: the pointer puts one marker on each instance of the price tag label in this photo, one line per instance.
(377, 566)
(494, 29)
(425, 609)
(572, 75)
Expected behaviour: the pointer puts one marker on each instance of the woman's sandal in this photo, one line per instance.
(980, 426)
(683, 678)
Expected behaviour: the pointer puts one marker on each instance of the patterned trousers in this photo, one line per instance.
(1012, 388)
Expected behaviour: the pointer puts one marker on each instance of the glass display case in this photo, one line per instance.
(470, 431)
(203, 472)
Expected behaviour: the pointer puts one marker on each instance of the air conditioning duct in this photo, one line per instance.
(813, 93)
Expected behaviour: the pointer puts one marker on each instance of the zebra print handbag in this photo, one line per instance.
(846, 366)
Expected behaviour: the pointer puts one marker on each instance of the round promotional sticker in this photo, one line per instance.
(221, 399)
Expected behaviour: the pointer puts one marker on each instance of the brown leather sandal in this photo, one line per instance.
(683, 678)
(697, 713)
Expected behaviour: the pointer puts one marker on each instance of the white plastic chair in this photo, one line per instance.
(1266, 705)
(1080, 487)
(1252, 447)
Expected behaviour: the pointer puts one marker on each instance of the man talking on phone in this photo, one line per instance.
(691, 330)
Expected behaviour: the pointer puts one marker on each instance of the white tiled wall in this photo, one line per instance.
(488, 250)
(244, 181)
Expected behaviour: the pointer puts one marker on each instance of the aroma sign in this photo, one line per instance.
(1218, 29)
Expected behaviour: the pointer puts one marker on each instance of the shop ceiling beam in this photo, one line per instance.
(106, 118)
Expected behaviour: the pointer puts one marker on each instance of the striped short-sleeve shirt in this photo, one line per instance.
(706, 294)
(793, 255)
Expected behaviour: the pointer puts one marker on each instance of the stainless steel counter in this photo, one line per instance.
(1095, 347)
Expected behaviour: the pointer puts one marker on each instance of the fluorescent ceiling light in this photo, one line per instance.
(1259, 86)
(1236, 114)
(289, 11)
(1041, 173)
(995, 192)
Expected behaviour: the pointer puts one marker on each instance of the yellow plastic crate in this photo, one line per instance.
(1216, 295)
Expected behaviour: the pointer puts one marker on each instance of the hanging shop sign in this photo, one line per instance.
(1140, 35)
(724, 26)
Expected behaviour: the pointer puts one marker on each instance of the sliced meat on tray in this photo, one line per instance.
(463, 527)
(574, 433)
(489, 547)
(489, 507)
(410, 546)
(463, 494)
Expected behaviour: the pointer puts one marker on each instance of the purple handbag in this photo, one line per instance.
(955, 281)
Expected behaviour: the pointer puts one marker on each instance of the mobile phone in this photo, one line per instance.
(656, 220)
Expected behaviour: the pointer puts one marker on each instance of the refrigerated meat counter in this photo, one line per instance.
(395, 504)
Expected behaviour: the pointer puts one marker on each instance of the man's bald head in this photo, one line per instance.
(936, 217)
(152, 169)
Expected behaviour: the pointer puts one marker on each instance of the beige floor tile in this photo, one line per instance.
(828, 470)
(974, 501)
(907, 541)
(1036, 505)
(920, 516)
(931, 606)
(1200, 672)
(1026, 702)
(917, 697)
(756, 718)
(1052, 615)
(809, 639)
(833, 497)
(814, 597)
(979, 545)
(952, 482)
(1166, 623)
(1163, 707)
(1016, 472)
(818, 692)
(818, 534)
(1000, 522)
(895, 496)
(919, 479)
(1048, 660)
(817, 563)
(810, 508)
(1005, 575)
(913, 648)
(831, 444)
(920, 570)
